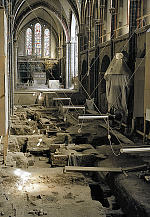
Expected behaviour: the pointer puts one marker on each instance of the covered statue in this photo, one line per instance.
(118, 83)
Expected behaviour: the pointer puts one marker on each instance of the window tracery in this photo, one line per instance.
(37, 46)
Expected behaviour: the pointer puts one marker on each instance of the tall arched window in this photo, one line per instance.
(38, 39)
(46, 42)
(74, 47)
(29, 41)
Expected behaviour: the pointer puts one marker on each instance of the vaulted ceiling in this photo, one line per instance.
(55, 13)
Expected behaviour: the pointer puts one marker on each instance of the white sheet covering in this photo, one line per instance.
(118, 84)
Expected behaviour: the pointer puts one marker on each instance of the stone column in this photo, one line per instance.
(33, 41)
(50, 40)
(11, 62)
(88, 61)
(3, 74)
(132, 34)
(15, 63)
(147, 81)
(68, 64)
(147, 73)
(24, 43)
(72, 60)
(97, 40)
(97, 32)
(2, 3)
(80, 44)
(112, 12)
(42, 42)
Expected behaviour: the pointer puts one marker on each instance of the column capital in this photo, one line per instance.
(112, 10)
(68, 42)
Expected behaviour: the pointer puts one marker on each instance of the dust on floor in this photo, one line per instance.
(42, 190)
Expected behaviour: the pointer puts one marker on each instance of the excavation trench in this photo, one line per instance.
(50, 144)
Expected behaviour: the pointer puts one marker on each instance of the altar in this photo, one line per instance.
(39, 78)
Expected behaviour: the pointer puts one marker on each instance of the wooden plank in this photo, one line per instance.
(74, 106)
(61, 99)
(104, 169)
(123, 124)
(134, 150)
(135, 168)
(85, 117)
(142, 134)
(119, 135)
(92, 169)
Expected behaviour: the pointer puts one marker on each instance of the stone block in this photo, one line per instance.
(63, 137)
(18, 159)
(53, 147)
(59, 160)
(30, 162)
(82, 160)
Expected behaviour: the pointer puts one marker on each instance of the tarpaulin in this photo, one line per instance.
(118, 84)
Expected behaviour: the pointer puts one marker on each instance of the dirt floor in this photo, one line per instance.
(42, 190)
(41, 144)
(33, 186)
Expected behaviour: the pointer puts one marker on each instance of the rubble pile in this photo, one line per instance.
(42, 142)
(43, 131)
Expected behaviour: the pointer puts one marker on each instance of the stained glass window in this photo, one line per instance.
(29, 41)
(46, 42)
(38, 39)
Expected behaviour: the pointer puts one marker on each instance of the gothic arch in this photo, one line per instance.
(104, 66)
(92, 78)
(83, 73)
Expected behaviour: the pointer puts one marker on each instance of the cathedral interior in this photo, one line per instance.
(75, 108)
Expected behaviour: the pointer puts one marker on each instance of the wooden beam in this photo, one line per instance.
(142, 134)
(74, 107)
(84, 117)
(134, 150)
(104, 169)
(55, 99)
(91, 169)
(121, 137)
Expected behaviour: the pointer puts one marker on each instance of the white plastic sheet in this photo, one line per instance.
(118, 84)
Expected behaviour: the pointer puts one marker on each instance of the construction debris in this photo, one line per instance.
(44, 144)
